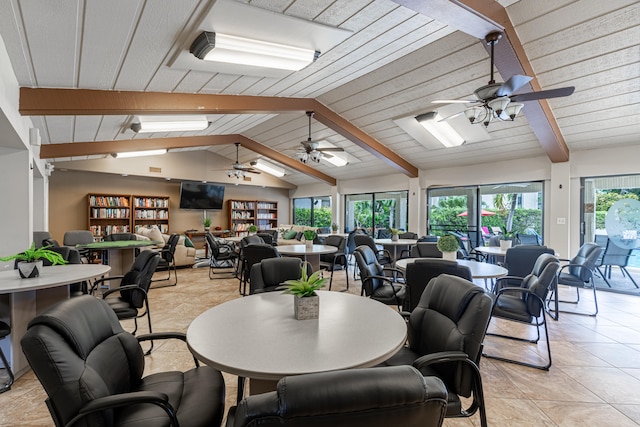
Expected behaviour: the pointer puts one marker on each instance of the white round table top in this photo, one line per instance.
(491, 250)
(259, 337)
(232, 238)
(399, 242)
(303, 250)
(479, 270)
(50, 277)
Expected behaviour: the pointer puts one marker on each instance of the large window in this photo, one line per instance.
(481, 211)
(376, 211)
(312, 211)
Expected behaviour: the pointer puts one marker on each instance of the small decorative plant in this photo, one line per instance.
(306, 285)
(506, 235)
(394, 231)
(309, 235)
(32, 255)
(207, 222)
(253, 229)
(448, 243)
(334, 227)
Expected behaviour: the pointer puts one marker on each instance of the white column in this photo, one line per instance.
(560, 196)
(417, 218)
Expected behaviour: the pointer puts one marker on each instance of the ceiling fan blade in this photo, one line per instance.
(513, 84)
(451, 116)
(543, 94)
(453, 101)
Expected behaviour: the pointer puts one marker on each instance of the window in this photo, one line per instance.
(481, 211)
(377, 211)
(312, 211)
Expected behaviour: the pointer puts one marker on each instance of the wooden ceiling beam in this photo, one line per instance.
(480, 17)
(70, 102)
(51, 151)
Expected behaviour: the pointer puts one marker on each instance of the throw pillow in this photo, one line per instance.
(155, 234)
(187, 242)
(291, 234)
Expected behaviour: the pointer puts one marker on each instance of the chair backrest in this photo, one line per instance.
(140, 275)
(115, 237)
(585, 261)
(452, 315)
(39, 237)
(408, 235)
(351, 243)
(369, 266)
(266, 238)
(270, 273)
(169, 249)
(255, 253)
(614, 255)
(79, 352)
(428, 238)
(336, 241)
(528, 239)
(77, 237)
(421, 271)
(520, 260)
(540, 281)
(250, 240)
(383, 233)
(373, 397)
(425, 250)
(365, 240)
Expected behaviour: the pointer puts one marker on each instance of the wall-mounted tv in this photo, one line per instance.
(197, 195)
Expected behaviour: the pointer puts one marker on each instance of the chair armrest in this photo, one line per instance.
(124, 288)
(107, 279)
(503, 279)
(578, 266)
(127, 399)
(395, 270)
(442, 357)
(164, 336)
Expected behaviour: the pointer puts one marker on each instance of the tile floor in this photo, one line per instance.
(594, 379)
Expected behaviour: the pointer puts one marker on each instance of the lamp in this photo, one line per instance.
(182, 123)
(219, 47)
(267, 167)
(441, 130)
(140, 153)
(236, 172)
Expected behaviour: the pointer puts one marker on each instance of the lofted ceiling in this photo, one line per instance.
(389, 61)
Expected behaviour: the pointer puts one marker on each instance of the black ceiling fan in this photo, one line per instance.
(496, 100)
(238, 168)
(310, 149)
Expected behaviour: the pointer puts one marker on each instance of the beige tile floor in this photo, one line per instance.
(594, 380)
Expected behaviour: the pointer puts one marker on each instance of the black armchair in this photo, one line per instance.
(382, 255)
(91, 370)
(168, 260)
(519, 261)
(133, 302)
(578, 273)
(421, 271)
(375, 284)
(269, 274)
(79, 237)
(373, 397)
(445, 335)
(221, 256)
(526, 304)
(337, 260)
(252, 254)
(5, 330)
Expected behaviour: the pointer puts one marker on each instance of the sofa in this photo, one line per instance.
(184, 255)
(286, 237)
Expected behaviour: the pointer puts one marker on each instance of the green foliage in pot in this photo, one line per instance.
(448, 243)
(506, 235)
(306, 285)
(394, 231)
(309, 235)
(32, 254)
(334, 226)
(253, 229)
(207, 222)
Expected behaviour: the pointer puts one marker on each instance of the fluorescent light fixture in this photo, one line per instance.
(140, 153)
(146, 124)
(441, 130)
(267, 167)
(238, 50)
(334, 160)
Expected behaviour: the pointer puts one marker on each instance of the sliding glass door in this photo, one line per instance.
(376, 211)
(312, 211)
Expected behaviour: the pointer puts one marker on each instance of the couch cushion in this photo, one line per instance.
(290, 234)
(152, 233)
(187, 242)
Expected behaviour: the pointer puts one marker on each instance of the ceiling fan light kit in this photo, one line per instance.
(210, 46)
(311, 150)
(238, 169)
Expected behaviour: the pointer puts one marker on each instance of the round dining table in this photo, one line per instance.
(309, 254)
(479, 270)
(393, 245)
(258, 336)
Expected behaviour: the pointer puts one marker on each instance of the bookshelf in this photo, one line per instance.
(244, 213)
(125, 213)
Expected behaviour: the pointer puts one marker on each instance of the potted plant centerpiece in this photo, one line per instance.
(309, 236)
(506, 239)
(334, 227)
(207, 223)
(394, 234)
(30, 261)
(448, 245)
(253, 229)
(306, 302)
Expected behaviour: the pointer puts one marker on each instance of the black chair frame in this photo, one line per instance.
(221, 256)
(577, 300)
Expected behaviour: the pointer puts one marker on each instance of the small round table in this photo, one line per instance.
(393, 245)
(258, 336)
(311, 255)
(479, 270)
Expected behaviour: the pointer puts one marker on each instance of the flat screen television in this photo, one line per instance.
(197, 195)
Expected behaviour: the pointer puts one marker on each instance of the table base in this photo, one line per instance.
(257, 386)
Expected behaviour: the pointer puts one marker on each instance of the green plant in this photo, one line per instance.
(32, 254)
(334, 226)
(506, 235)
(448, 243)
(309, 234)
(253, 229)
(306, 285)
(394, 231)
(207, 222)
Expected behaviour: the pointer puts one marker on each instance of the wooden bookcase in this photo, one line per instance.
(244, 213)
(122, 213)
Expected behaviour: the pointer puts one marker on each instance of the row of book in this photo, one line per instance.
(109, 201)
(151, 214)
(150, 202)
(110, 213)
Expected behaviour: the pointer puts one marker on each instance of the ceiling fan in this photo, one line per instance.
(238, 169)
(311, 150)
(496, 100)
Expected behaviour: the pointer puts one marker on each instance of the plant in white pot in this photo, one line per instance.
(309, 236)
(394, 234)
(448, 245)
(334, 227)
(306, 301)
(253, 229)
(30, 261)
(506, 239)
(207, 223)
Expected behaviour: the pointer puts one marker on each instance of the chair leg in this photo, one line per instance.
(624, 269)
(240, 392)
(595, 300)
(7, 386)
